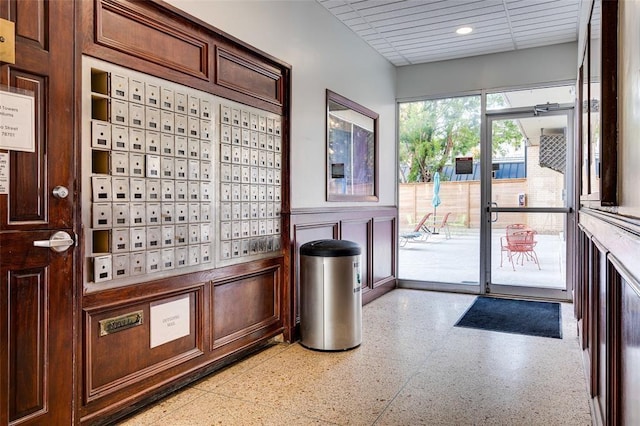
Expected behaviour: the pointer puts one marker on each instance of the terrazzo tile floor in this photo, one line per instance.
(412, 368)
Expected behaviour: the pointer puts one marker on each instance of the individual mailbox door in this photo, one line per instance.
(138, 214)
(262, 210)
(253, 122)
(167, 121)
(225, 211)
(153, 189)
(225, 192)
(136, 91)
(236, 136)
(119, 138)
(168, 258)
(225, 114)
(235, 116)
(120, 214)
(138, 189)
(154, 237)
(153, 261)
(246, 229)
(193, 125)
(119, 86)
(262, 123)
(137, 263)
(167, 166)
(136, 165)
(167, 144)
(119, 113)
(225, 231)
(236, 192)
(205, 191)
(235, 249)
(167, 99)
(120, 265)
(205, 212)
(101, 215)
(102, 268)
(245, 211)
(194, 105)
(193, 149)
(154, 213)
(152, 142)
(255, 228)
(181, 102)
(225, 172)
(153, 166)
(120, 188)
(254, 143)
(136, 116)
(206, 130)
(205, 171)
(225, 250)
(277, 144)
(194, 233)
(277, 127)
(119, 163)
(236, 173)
(262, 141)
(100, 134)
(181, 123)
(137, 141)
(182, 168)
(168, 234)
(168, 213)
(236, 230)
(182, 146)
(138, 238)
(182, 257)
(194, 212)
(194, 169)
(245, 118)
(152, 95)
(206, 111)
(120, 240)
(182, 190)
(205, 253)
(194, 255)
(225, 134)
(270, 145)
(225, 153)
(181, 235)
(205, 232)
(153, 118)
(205, 150)
(182, 212)
(168, 190)
(101, 188)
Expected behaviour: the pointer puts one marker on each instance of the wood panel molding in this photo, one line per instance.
(249, 77)
(132, 30)
(243, 305)
(136, 360)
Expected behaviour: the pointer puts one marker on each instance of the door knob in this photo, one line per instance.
(60, 192)
(59, 242)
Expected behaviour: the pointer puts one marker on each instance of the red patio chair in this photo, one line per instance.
(519, 242)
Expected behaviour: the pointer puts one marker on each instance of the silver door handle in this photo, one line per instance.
(59, 242)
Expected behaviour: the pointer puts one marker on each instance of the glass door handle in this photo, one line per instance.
(494, 218)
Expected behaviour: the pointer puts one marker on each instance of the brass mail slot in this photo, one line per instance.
(122, 322)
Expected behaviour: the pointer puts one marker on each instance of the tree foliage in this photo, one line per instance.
(432, 133)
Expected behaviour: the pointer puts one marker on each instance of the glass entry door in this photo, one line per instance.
(527, 179)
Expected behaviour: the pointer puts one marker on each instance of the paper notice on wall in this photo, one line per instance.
(17, 118)
(169, 321)
(4, 172)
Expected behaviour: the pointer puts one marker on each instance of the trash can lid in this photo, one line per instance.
(330, 248)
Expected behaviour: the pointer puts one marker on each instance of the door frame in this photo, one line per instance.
(488, 209)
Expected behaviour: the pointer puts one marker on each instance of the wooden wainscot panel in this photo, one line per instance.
(628, 409)
(128, 344)
(384, 237)
(249, 76)
(138, 30)
(243, 306)
(359, 231)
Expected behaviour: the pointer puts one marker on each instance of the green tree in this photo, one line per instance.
(432, 133)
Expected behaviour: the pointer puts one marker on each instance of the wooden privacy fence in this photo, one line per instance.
(462, 199)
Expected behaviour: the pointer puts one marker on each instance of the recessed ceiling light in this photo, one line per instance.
(464, 30)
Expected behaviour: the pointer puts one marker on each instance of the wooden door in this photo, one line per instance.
(36, 283)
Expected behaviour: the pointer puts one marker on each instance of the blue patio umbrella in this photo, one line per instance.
(435, 200)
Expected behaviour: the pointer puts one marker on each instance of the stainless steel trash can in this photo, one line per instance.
(330, 295)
